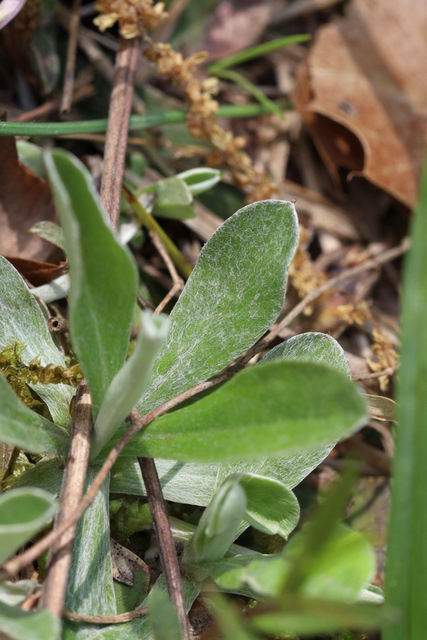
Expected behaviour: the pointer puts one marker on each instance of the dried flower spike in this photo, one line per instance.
(135, 17)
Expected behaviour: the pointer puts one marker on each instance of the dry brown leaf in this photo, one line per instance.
(24, 200)
(125, 563)
(37, 272)
(362, 91)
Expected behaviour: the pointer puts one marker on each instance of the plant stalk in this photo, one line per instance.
(55, 584)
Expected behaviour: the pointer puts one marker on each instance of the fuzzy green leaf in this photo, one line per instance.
(270, 410)
(219, 523)
(174, 200)
(103, 275)
(26, 429)
(22, 320)
(234, 293)
(130, 382)
(23, 512)
(163, 617)
(28, 625)
(271, 507)
(90, 586)
(200, 179)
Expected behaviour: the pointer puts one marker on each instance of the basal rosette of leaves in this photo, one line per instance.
(255, 437)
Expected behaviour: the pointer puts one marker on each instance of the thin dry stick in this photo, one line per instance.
(377, 374)
(178, 283)
(55, 585)
(164, 536)
(113, 619)
(67, 94)
(16, 564)
(118, 126)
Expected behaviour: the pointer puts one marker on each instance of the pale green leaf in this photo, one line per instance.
(26, 429)
(31, 155)
(23, 513)
(174, 200)
(28, 625)
(270, 410)
(130, 382)
(163, 617)
(49, 231)
(234, 293)
(218, 525)
(200, 179)
(271, 507)
(22, 320)
(103, 275)
(90, 586)
(15, 593)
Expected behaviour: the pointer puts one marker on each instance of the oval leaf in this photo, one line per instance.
(23, 513)
(280, 407)
(234, 293)
(103, 275)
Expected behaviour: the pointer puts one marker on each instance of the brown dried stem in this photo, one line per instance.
(55, 584)
(164, 536)
(113, 619)
(67, 93)
(118, 126)
(178, 283)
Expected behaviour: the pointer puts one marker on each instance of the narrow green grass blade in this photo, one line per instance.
(406, 575)
(136, 122)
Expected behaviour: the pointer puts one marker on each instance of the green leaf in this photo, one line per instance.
(130, 382)
(22, 320)
(15, 593)
(163, 617)
(200, 179)
(49, 231)
(234, 293)
(23, 513)
(26, 429)
(46, 475)
(312, 347)
(195, 483)
(28, 625)
(103, 275)
(218, 525)
(174, 200)
(31, 155)
(269, 410)
(271, 507)
(340, 569)
(406, 568)
(317, 617)
(90, 585)
(228, 620)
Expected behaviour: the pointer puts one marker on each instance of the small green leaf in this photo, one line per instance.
(23, 513)
(26, 429)
(271, 507)
(234, 293)
(312, 347)
(49, 231)
(28, 625)
(163, 617)
(218, 525)
(31, 155)
(130, 382)
(103, 275)
(270, 410)
(174, 200)
(22, 320)
(200, 179)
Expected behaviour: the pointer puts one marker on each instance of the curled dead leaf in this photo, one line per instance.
(362, 91)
